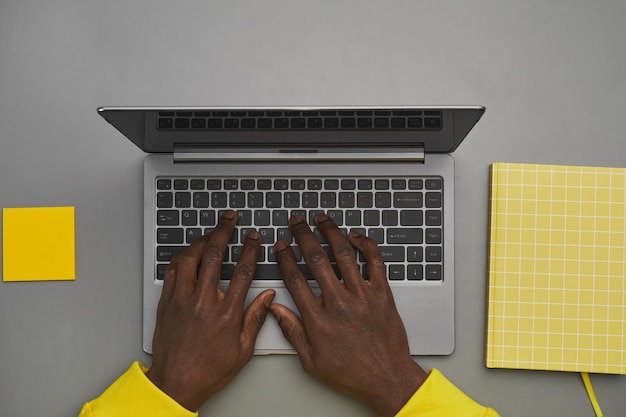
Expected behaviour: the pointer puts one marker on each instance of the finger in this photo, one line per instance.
(314, 256)
(213, 254)
(254, 318)
(182, 272)
(294, 332)
(294, 280)
(343, 251)
(373, 258)
(244, 271)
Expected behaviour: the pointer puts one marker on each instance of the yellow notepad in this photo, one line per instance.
(557, 265)
(38, 244)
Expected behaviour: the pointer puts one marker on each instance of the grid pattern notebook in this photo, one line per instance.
(557, 265)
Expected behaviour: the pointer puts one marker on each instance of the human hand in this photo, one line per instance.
(203, 337)
(351, 337)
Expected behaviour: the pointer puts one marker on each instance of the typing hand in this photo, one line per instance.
(351, 336)
(203, 337)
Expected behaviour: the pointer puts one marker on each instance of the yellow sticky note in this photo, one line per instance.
(38, 244)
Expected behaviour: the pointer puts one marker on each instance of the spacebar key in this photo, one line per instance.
(272, 272)
(267, 271)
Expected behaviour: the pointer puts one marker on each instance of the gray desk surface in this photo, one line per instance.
(551, 75)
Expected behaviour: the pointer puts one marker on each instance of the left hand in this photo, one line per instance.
(203, 336)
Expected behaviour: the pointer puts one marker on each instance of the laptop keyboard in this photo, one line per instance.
(346, 119)
(403, 215)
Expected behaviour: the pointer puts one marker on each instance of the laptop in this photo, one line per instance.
(383, 170)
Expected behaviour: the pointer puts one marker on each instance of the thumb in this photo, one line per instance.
(294, 332)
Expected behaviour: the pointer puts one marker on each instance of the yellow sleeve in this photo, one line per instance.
(133, 394)
(438, 397)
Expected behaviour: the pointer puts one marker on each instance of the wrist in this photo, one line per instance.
(396, 388)
(173, 389)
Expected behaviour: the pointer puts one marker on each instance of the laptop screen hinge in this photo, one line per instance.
(300, 153)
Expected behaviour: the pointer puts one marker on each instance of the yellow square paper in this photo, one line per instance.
(38, 244)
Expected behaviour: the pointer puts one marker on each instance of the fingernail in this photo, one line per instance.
(280, 245)
(254, 235)
(229, 215)
(321, 217)
(354, 233)
(296, 219)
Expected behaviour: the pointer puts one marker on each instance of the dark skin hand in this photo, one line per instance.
(203, 336)
(351, 337)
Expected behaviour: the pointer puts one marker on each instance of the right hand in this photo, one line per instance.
(351, 337)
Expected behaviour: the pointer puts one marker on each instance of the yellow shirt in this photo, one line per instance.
(133, 394)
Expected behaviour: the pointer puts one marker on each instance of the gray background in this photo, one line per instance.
(551, 75)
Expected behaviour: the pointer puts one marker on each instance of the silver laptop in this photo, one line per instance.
(385, 171)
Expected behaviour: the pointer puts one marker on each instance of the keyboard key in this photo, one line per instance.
(214, 184)
(433, 217)
(189, 217)
(201, 200)
(264, 184)
(433, 272)
(280, 217)
(219, 200)
(331, 184)
(432, 122)
(231, 184)
(398, 184)
(415, 272)
(167, 217)
(411, 218)
(245, 217)
(364, 200)
(328, 200)
(273, 199)
(415, 184)
(193, 233)
(255, 199)
(392, 253)
(166, 253)
(433, 184)
(336, 216)
(281, 184)
(197, 184)
(348, 184)
(314, 184)
(262, 218)
(371, 218)
(381, 184)
(298, 184)
(396, 272)
(291, 199)
(390, 218)
(170, 235)
(383, 200)
(164, 184)
(433, 199)
(364, 184)
(248, 184)
(165, 200)
(407, 200)
(248, 123)
(433, 253)
(182, 199)
(404, 235)
(415, 254)
(353, 218)
(377, 234)
(207, 218)
(309, 199)
(433, 236)
(181, 184)
(346, 200)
